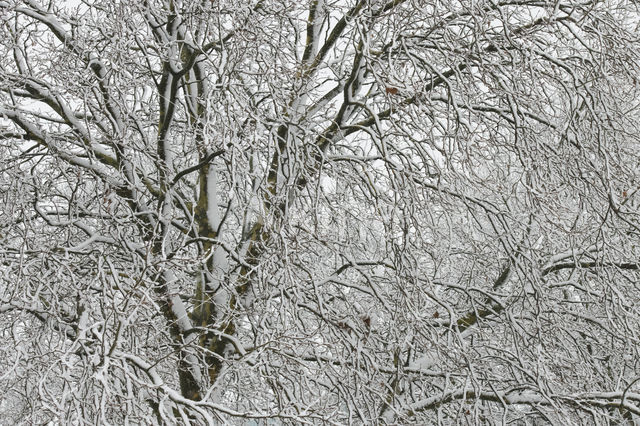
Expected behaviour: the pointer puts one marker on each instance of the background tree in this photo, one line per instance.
(353, 211)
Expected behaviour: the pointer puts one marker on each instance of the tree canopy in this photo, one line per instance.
(349, 211)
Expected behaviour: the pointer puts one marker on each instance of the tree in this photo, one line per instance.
(357, 211)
